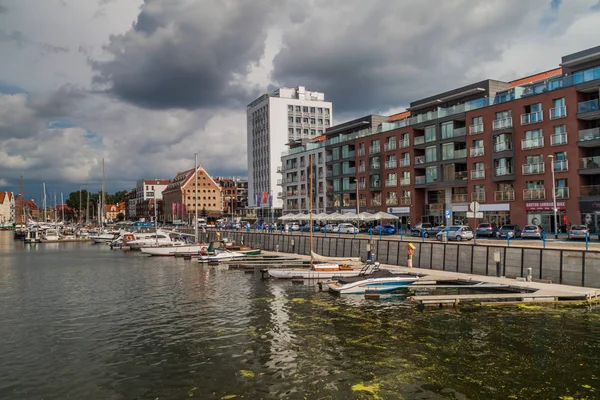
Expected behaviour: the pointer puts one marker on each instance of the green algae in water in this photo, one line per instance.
(370, 389)
(247, 374)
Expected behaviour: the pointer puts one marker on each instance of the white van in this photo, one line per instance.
(202, 222)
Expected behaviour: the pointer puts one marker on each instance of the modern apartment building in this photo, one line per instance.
(295, 181)
(273, 120)
(507, 145)
(344, 160)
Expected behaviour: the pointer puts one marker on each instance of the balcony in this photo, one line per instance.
(534, 194)
(476, 151)
(329, 158)
(589, 137)
(589, 164)
(350, 186)
(391, 183)
(375, 202)
(456, 154)
(562, 193)
(362, 202)
(533, 169)
(558, 139)
(419, 160)
(404, 181)
(349, 203)
(280, 182)
(389, 146)
(362, 185)
(558, 112)
(361, 168)
(391, 201)
(504, 195)
(456, 176)
(376, 184)
(534, 143)
(375, 166)
(391, 164)
(348, 154)
(374, 149)
(502, 146)
(361, 151)
(404, 143)
(420, 180)
(560, 165)
(478, 196)
(458, 132)
(503, 171)
(585, 107)
(532, 118)
(290, 194)
(419, 140)
(329, 173)
(280, 195)
(475, 129)
(349, 171)
(459, 198)
(405, 162)
(590, 191)
(405, 201)
(280, 170)
(477, 174)
(503, 123)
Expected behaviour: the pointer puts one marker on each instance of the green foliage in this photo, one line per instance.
(120, 216)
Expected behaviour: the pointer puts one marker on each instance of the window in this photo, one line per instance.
(312, 110)
(431, 174)
(326, 111)
(312, 121)
(305, 109)
(326, 122)
(298, 131)
(559, 110)
(290, 131)
(305, 120)
(447, 151)
(298, 120)
(320, 110)
(477, 126)
(533, 139)
(430, 133)
(533, 113)
(447, 130)
(291, 120)
(290, 107)
(503, 114)
(320, 121)
(405, 140)
(306, 131)
(297, 108)
(320, 131)
(430, 154)
(560, 161)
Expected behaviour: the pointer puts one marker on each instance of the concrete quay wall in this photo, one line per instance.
(572, 267)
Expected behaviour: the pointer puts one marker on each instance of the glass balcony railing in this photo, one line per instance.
(391, 183)
(347, 154)
(477, 174)
(532, 143)
(391, 164)
(532, 169)
(475, 129)
(558, 112)
(420, 180)
(589, 134)
(361, 168)
(361, 152)
(389, 146)
(591, 190)
(588, 106)
(534, 194)
(560, 165)
(404, 181)
(391, 201)
(589, 162)
(504, 195)
(456, 154)
(404, 143)
(531, 118)
(350, 186)
(405, 201)
(562, 193)
(374, 149)
(502, 146)
(459, 198)
(476, 151)
(348, 170)
(502, 123)
(419, 160)
(329, 173)
(405, 162)
(419, 140)
(503, 171)
(558, 139)
(478, 196)
(329, 158)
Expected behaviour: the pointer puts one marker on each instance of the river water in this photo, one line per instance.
(81, 321)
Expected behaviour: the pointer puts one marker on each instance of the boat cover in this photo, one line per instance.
(346, 260)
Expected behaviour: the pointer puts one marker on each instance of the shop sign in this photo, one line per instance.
(544, 205)
(398, 210)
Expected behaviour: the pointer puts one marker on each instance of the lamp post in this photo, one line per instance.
(551, 157)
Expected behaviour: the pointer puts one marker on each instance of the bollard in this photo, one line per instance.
(497, 260)
(370, 234)
(544, 239)
(422, 235)
(380, 233)
(508, 239)
(354, 230)
(410, 249)
(277, 248)
(529, 277)
(293, 246)
(369, 251)
(587, 240)
(339, 232)
(446, 235)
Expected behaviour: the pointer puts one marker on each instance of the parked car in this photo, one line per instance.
(295, 227)
(306, 228)
(578, 232)
(425, 229)
(347, 228)
(384, 229)
(456, 232)
(509, 230)
(330, 228)
(486, 229)
(532, 231)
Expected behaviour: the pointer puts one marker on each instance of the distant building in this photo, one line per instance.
(31, 210)
(146, 192)
(179, 196)
(229, 191)
(7, 208)
(273, 120)
(241, 190)
(130, 199)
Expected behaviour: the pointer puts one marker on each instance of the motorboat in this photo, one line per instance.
(33, 236)
(50, 235)
(157, 239)
(103, 237)
(170, 251)
(382, 283)
(321, 267)
(228, 255)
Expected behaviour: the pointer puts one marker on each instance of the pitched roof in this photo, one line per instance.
(156, 182)
(5, 196)
(30, 204)
(536, 77)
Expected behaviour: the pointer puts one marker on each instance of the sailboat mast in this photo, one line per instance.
(101, 211)
(87, 208)
(196, 197)
(310, 204)
(44, 186)
(21, 203)
(357, 207)
(55, 210)
(62, 207)
(155, 222)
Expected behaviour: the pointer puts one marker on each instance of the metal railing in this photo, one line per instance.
(589, 162)
(502, 146)
(532, 143)
(420, 180)
(404, 143)
(361, 168)
(389, 146)
(390, 164)
(589, 134)
(560, 165)
(419, 140)
(478, 196)
(459, 198)
(502, 123)
(477, 174)
(503, 171)
(477, 151)
(404, 181)
(405, 162)
(504, 195)
(562, 193)
(475, 129)
(374, 149)
(558, 138)
(590, 190)
(531, 118)
(588, 106)
(532, 169)
(391, 183)
(558, 112)
(534, 194)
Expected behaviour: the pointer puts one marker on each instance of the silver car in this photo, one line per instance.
(347, 228)
(457, 232)
(532, 231)
(578, 232)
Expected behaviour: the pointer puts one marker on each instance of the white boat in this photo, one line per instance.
(225, 255)
(154, 240)
(316, 271)
(33, 236)
(103, 237)
(170, 251)
(373, 284)
(50, 234)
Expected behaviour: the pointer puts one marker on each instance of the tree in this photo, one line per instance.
(120, 216)
(203, 213)
(73, 200)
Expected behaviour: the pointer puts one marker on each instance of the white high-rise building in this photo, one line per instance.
(274, 120)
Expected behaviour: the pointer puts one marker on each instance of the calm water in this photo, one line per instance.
(80, 321)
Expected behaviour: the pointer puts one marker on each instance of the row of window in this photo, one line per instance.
(318, 110)
(312, 121)
(300, 131)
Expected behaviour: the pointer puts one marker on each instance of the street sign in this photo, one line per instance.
(474, 214)
(474, 206)
(447, 213)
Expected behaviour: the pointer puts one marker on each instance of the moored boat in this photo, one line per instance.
(381, 284)
(316, 271)
(170, 251)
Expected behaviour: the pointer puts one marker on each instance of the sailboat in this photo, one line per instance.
(101, 236)
(320, 267)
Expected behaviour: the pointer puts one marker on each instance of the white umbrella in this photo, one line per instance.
(302, 217)
(287, 217)
(383, 215)
(365, 216)
(319, 217)
(332, 217)
(348, 217)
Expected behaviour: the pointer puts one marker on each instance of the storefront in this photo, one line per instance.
(496, 214)
(541, 213)
(590, 215)
(403, 213)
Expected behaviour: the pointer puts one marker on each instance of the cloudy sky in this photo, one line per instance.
(145, 84)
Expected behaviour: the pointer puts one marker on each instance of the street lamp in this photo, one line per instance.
(551, 157)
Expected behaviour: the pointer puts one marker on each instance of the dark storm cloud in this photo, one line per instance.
(3, 9)
(187, 54)
(395, 52)
(58, 104)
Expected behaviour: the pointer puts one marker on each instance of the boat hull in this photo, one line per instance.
(379, 285)
(101, 239)
(173, 251)
(305, 273)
